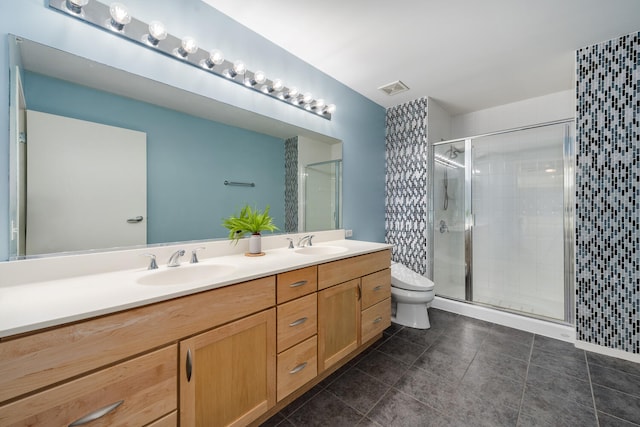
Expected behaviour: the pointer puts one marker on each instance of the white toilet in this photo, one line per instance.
(411, 294)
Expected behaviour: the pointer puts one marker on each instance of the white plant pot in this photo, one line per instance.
(255, 244)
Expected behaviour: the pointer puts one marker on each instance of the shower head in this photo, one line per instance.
(453, 152)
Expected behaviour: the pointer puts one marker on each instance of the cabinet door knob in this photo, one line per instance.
(298, 284)
(298, 368)
(300, 321)
(189, 365)
(96, 414)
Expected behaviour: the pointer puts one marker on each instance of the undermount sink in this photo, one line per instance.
(199, 273)
(320, 250)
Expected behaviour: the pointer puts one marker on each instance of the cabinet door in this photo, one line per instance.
(228, 375)
(338, 322)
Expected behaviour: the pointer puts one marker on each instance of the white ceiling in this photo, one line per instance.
(466, 54)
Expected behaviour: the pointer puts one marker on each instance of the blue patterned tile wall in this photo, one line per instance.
(291, 185)
(608, 194)
(408, 167)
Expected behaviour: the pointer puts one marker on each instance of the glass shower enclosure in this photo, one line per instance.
(323, 195)
(503, 220)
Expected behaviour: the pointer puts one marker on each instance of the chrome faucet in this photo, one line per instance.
(174, 258)
(307, 239)
(194, 256)
(290, 242)
(152, 265)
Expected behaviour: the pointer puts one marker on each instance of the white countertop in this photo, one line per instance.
(26, 307)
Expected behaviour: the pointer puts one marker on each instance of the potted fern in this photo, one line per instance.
(250, 221)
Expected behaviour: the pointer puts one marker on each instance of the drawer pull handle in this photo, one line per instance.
(189, 366)
(378, 319)
(377, 288)
(298, 368)
(300, 321)
(298, 284)
(96, 414)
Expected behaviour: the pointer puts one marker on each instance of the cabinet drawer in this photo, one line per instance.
(297, 321)
(139, 391)
(376, 319)
(376, 287)
(170, 420)
(297, 283)
(297, 366)
(34, 361)
(343, 270)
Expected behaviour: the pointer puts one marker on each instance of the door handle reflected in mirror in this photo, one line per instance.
(135, 220)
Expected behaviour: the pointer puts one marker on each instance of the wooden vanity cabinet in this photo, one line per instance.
(346, 287)
(228, 374)
(230, 356)
(49, 377)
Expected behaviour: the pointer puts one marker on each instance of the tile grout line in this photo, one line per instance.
(526, 377)
(593, 397)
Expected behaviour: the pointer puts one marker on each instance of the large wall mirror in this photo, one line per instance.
(104, 159)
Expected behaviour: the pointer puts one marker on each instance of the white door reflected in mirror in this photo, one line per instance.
(68, 213)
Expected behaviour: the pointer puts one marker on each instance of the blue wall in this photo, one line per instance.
(358, 122)
(188, 159)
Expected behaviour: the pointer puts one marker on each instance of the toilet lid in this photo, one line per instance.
(405, 278)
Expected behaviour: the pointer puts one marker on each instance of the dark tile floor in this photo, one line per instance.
(466, 372)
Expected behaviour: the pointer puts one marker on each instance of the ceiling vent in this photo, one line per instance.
(394, 88)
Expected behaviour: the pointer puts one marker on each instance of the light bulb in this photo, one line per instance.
(157, 32)
(239, 68)
(330, 108)
(188, 45)
(76, 6)
(307, 98)
(277, 85)
(319, 104)
(292, 92)
(120, 16)
(216, 57)
(259, 77)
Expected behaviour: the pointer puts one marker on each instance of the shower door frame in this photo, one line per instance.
(568, 149)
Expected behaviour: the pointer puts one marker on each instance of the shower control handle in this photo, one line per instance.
(443, 226)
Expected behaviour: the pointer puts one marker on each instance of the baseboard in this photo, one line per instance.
(620, 354)
(558, 331)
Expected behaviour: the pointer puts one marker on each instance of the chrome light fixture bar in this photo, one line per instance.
(117, 19)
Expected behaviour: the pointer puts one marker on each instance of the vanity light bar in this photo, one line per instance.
(116, 19)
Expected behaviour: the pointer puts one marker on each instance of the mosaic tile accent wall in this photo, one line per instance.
(291, 184)
(408, 167)
(608, 194)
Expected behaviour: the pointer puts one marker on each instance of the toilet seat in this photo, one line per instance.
(405, 278)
